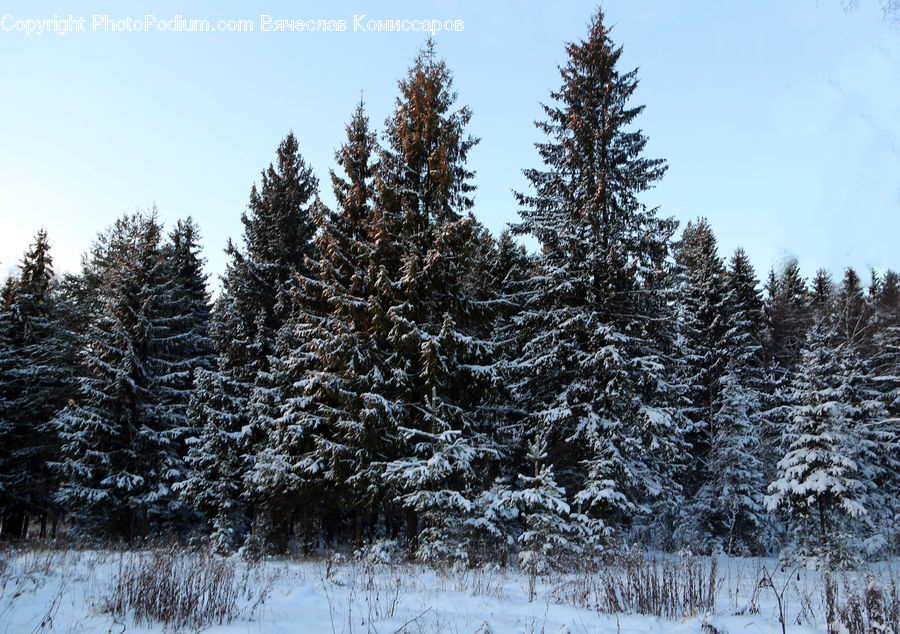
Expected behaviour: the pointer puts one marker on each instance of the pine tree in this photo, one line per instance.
(884, 381)
(821, 295)
(553, 537)
(216, 456)
(182, 343)
(723, 483)
(827, 476)
(593, 374)
(235, 407)
(735, 490)
(704, 322)
(34, 378)
(747, 298)
(120, 454)
(855, 314)
(500, 279)
(438, 371)
(787, 318)
(188, 308)
(315, 458)
(388, 407)
(749, 436)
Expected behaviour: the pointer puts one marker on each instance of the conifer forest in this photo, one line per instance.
(389, 369)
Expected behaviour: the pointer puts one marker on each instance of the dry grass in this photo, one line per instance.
(862, 604)
(184, 590)
(634, 583)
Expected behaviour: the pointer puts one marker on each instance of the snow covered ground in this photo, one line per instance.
(77, 591)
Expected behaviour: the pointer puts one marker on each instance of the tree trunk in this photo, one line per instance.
(412, 531)
(822, 521)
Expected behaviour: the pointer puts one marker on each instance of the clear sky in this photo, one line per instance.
(780, 120)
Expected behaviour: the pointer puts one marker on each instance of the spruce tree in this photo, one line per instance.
(120, 454)
(594, 372)
(35, 356)
(884, 380)
(704, 324)
(723, 483)
(235, 406)
(438, 371)
(388, 406)
(316, 463)
(826, 480)
(183, 346)
(787, 318)
(553, 536)
(752, 436)
(747, 297)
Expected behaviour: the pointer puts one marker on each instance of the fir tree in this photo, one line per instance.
(315, 466)
(827, 476)
(746, 390)
(854, 315)
(34, 376)
(743, 284)
(787, 318)
(723, 484)
(189, 305)
(704, 322)
(216, 456)
(182, 343)
(884, 380)
(120, 454)
(553, 536)
(438, 371)
(594, 371)
(236, 405)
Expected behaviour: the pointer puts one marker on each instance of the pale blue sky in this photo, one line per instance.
(780, 120)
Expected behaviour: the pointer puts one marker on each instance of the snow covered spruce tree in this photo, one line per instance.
(184, 346)
(318, 452)
(826, 480)
(787, 318)
(553, 536)
(885, 382)
(703, 321)
(402, 377)
(594, 373)
(746, 443)
(502, 275)
(121, 434)
(234, 403)
(35, 372)
(723, 483)
(187, 309)
(438, 374)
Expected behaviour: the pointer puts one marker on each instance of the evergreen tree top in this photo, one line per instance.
(822, 291)
(786, 286)
(35, 273)
(742, 281)
(853, 310)
(594, 158)
(697, 249)
(355, 158)
(424, 165)
(276, 224)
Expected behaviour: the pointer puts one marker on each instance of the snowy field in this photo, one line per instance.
(99, 591)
